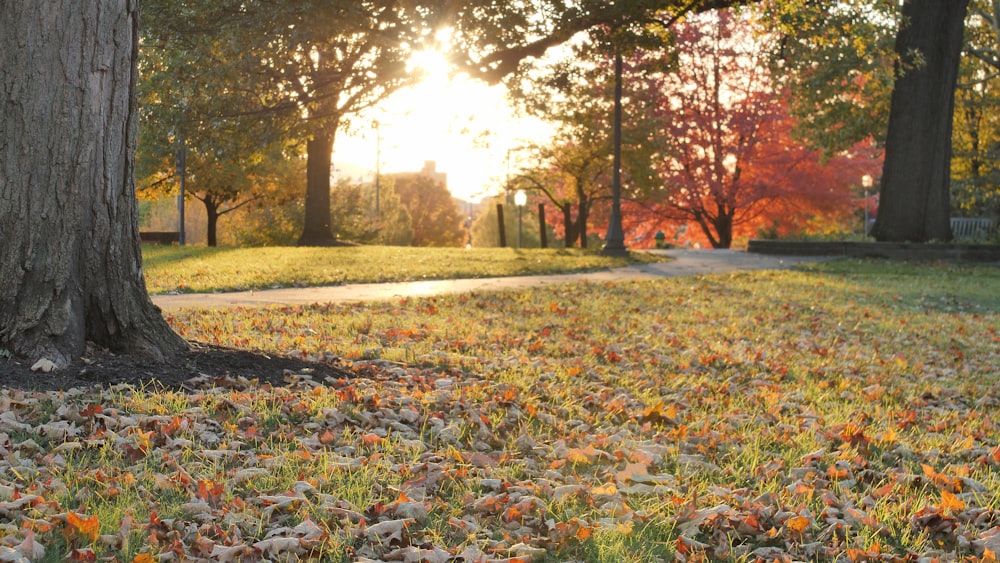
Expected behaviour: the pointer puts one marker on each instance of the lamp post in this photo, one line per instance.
(867, 182)
(520, 198)
(182, 175)
(614, 240)
(378, 165)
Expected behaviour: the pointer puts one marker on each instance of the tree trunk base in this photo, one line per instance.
(323, 241)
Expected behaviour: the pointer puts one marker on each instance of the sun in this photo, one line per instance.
(431, 64)
(462, 124)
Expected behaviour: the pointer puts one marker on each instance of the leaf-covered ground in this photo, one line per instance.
(844, 414)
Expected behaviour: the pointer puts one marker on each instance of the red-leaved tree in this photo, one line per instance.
(726, 161)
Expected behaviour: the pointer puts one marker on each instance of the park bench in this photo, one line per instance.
(973, 228)
(160, 237)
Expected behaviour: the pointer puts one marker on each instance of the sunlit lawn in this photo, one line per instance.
(845, 413)
(200, 269)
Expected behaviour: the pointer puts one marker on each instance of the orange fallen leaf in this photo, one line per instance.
(210, 492)
(87, 527)
(797, 524)
(143, 558)
(371, 439)
(951, 502)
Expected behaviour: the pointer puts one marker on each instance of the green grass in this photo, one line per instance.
(202, 269)
(844, 412)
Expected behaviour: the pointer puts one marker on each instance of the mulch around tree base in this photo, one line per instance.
(100, 367)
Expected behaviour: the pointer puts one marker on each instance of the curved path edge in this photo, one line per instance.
(683, 263)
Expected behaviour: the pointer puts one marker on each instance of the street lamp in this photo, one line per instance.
(520, 198)
(867, 182)
(614, 240)
(378, 165)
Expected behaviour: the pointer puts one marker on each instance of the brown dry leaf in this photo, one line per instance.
(411, 554)
(280, 546)
(388, 532)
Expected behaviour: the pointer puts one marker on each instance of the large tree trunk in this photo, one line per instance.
(71, 268)
(914, 199)
(319, 158)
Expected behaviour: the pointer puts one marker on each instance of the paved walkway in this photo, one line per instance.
(683, 263)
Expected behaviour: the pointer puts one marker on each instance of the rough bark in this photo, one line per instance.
(914, 200)
(71, 268)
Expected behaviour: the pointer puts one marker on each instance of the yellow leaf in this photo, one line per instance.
(951, 502)
(889, 436)
(608, 489)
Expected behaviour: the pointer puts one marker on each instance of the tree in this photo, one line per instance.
(232, 157)
(914, 202)
(222, 171)
(497, 39)
(309, 65)
(725, 156)
(71, 264)
(571, 173)
(975, 182)
(837, 63)
(435, 219)
(355, 219)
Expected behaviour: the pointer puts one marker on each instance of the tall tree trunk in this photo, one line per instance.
(914, 200)
(582, 216)
(319, 158)
(724, 229)
(212, 220)
(569, 228)
(71, 268)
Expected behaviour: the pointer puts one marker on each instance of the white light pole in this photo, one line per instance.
(520, 198)
(867, 182)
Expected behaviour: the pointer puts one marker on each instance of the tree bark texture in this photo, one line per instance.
(914, 200)
(71, 268)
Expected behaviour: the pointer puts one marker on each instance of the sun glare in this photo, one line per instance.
(462, 124)
(431, 62)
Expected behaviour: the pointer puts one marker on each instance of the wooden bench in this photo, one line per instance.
(160, 237)
(973, 228)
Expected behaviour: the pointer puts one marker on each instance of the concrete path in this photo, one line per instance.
(683, 263)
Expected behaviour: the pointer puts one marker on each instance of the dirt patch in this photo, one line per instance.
(100, 367)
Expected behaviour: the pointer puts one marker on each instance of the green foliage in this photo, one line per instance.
(268, 225)
(497, 39)
(354, 214)
(975, 186)
(837, 61)
(291, 73)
